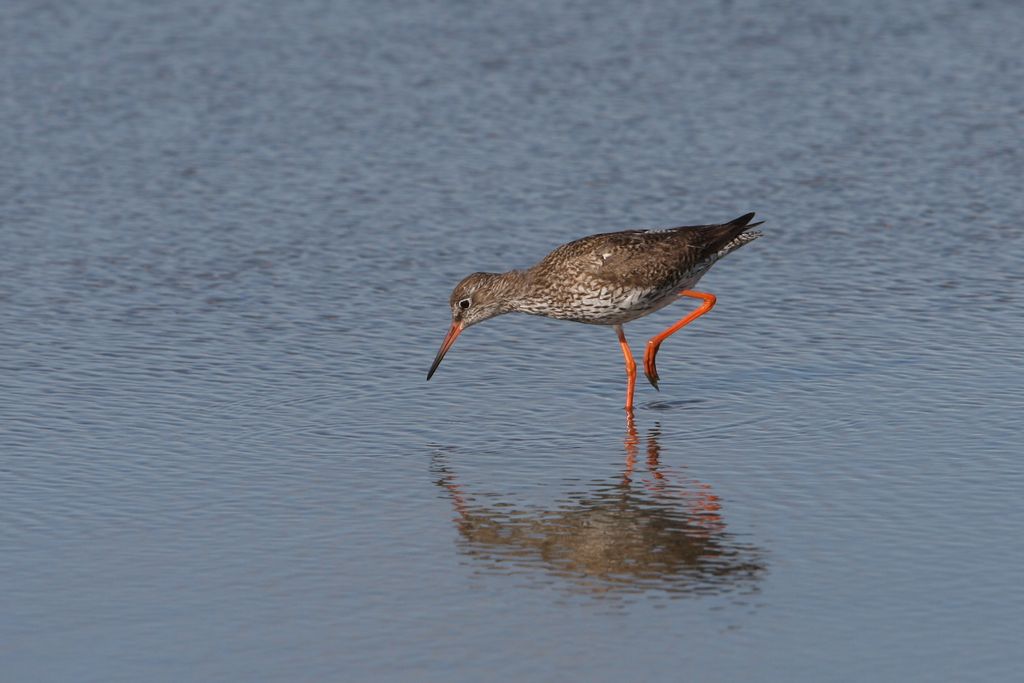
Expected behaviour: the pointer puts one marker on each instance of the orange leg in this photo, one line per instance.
(631, 442)
(652, 346)
(630, 367)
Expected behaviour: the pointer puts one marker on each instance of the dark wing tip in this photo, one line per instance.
(717, 236)
(744, 222)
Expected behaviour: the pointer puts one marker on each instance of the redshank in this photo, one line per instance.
(606, 279)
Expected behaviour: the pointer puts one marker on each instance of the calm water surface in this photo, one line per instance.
(227, 237)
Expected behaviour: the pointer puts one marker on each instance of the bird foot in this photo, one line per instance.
(652, 374)
(649, 368)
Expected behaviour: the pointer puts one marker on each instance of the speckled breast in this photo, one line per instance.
(603, 304)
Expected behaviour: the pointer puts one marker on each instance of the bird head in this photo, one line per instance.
(478, 297)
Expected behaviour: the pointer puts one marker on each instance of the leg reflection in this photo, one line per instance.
(667, 484)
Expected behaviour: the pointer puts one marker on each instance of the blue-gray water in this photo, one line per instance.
(228, 232)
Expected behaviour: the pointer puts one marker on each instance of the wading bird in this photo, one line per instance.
(607, 279)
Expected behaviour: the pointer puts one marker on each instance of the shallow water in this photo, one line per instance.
(227, 239)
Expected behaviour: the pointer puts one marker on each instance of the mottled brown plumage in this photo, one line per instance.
(606, 279)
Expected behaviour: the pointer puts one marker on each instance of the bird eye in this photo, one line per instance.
(464, 304)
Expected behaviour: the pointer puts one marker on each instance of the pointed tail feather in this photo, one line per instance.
(721, 236)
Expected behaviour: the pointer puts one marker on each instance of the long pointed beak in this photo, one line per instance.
(445, 345)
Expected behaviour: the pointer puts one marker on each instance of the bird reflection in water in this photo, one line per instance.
(651, 528)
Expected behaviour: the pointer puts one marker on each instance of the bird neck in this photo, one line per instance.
(511, 289)
(521, 292)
